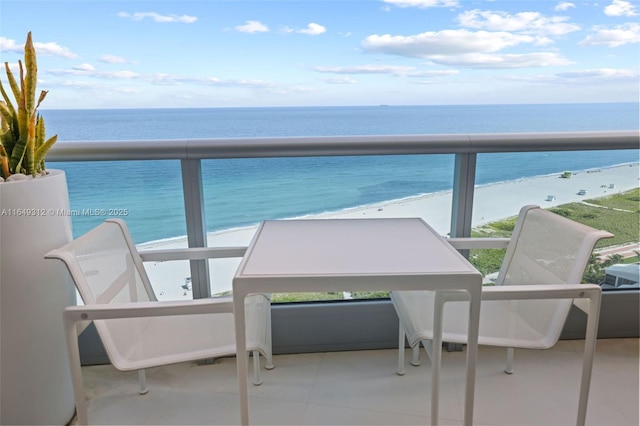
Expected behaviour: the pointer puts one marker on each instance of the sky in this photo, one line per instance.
(268, 53)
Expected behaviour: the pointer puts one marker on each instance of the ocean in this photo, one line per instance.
(241, 192)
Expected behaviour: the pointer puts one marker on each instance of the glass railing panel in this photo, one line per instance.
(240, 193)
(147, 195)
(599, 189)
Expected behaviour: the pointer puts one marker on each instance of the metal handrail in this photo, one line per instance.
(189, 149)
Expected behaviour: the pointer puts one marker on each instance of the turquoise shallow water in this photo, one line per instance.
(243, 192)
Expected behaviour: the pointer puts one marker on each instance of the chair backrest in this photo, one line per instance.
(106, 268)
(105, 265)
(546, 248)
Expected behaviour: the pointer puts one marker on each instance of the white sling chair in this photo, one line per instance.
(136, 329)
(539, 278)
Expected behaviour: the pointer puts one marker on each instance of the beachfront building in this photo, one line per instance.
(622, 277)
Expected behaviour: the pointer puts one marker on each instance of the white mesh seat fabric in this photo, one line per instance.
(501, 324)
(527, 308)
(136, 329)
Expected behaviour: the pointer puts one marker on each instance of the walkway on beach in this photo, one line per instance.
(626, 251)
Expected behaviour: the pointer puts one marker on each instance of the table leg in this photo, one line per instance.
(242, 358)
(436, 357)
(472, 351)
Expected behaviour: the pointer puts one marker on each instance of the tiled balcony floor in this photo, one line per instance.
(361, 388)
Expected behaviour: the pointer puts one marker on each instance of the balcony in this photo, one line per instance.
(361, 388)
(345, 373)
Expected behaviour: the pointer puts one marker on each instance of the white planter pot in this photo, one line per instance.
(35, 383)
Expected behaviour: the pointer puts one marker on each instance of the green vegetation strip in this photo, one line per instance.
(617, 214)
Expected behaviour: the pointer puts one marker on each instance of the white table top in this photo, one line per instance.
(345, 247)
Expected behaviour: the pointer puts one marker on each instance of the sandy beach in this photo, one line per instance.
(491, 202)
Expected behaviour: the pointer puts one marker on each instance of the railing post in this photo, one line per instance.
(464, 179)
(196, 227)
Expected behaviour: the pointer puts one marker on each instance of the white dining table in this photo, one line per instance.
(331, 255)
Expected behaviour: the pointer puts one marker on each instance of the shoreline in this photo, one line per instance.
(349, 212)
(492, 202)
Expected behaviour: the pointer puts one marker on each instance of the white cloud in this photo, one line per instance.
(340, 80)
(423, 4)
(620, 8)
(396, 70)
(525, 22)
(588, 76)
(87, 70)
(163, 79)
(496, 61)
(446, 42)
(171, 79)
(564, 5)
(139, 16)
(50, 48)
(96, 86)
(127, 75)
(613, 37)
(246, 83)
(600, 74)
(112, 59)
(77, 84)
(252, 27)
(9, 45)
(53, 49)
(313, 29)
(84, 67)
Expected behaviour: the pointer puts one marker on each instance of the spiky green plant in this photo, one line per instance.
(23, 145)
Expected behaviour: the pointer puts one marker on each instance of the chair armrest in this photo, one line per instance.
(148, 309)
(478, 243)
(546, 291)
(583, 304)
(192, 253)
(532, 292)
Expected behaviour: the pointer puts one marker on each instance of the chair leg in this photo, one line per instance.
(415, 356)
(269, 362)
(509, 368)
(436, 356)
(142, 378)
(401, 336)
(256, 368)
